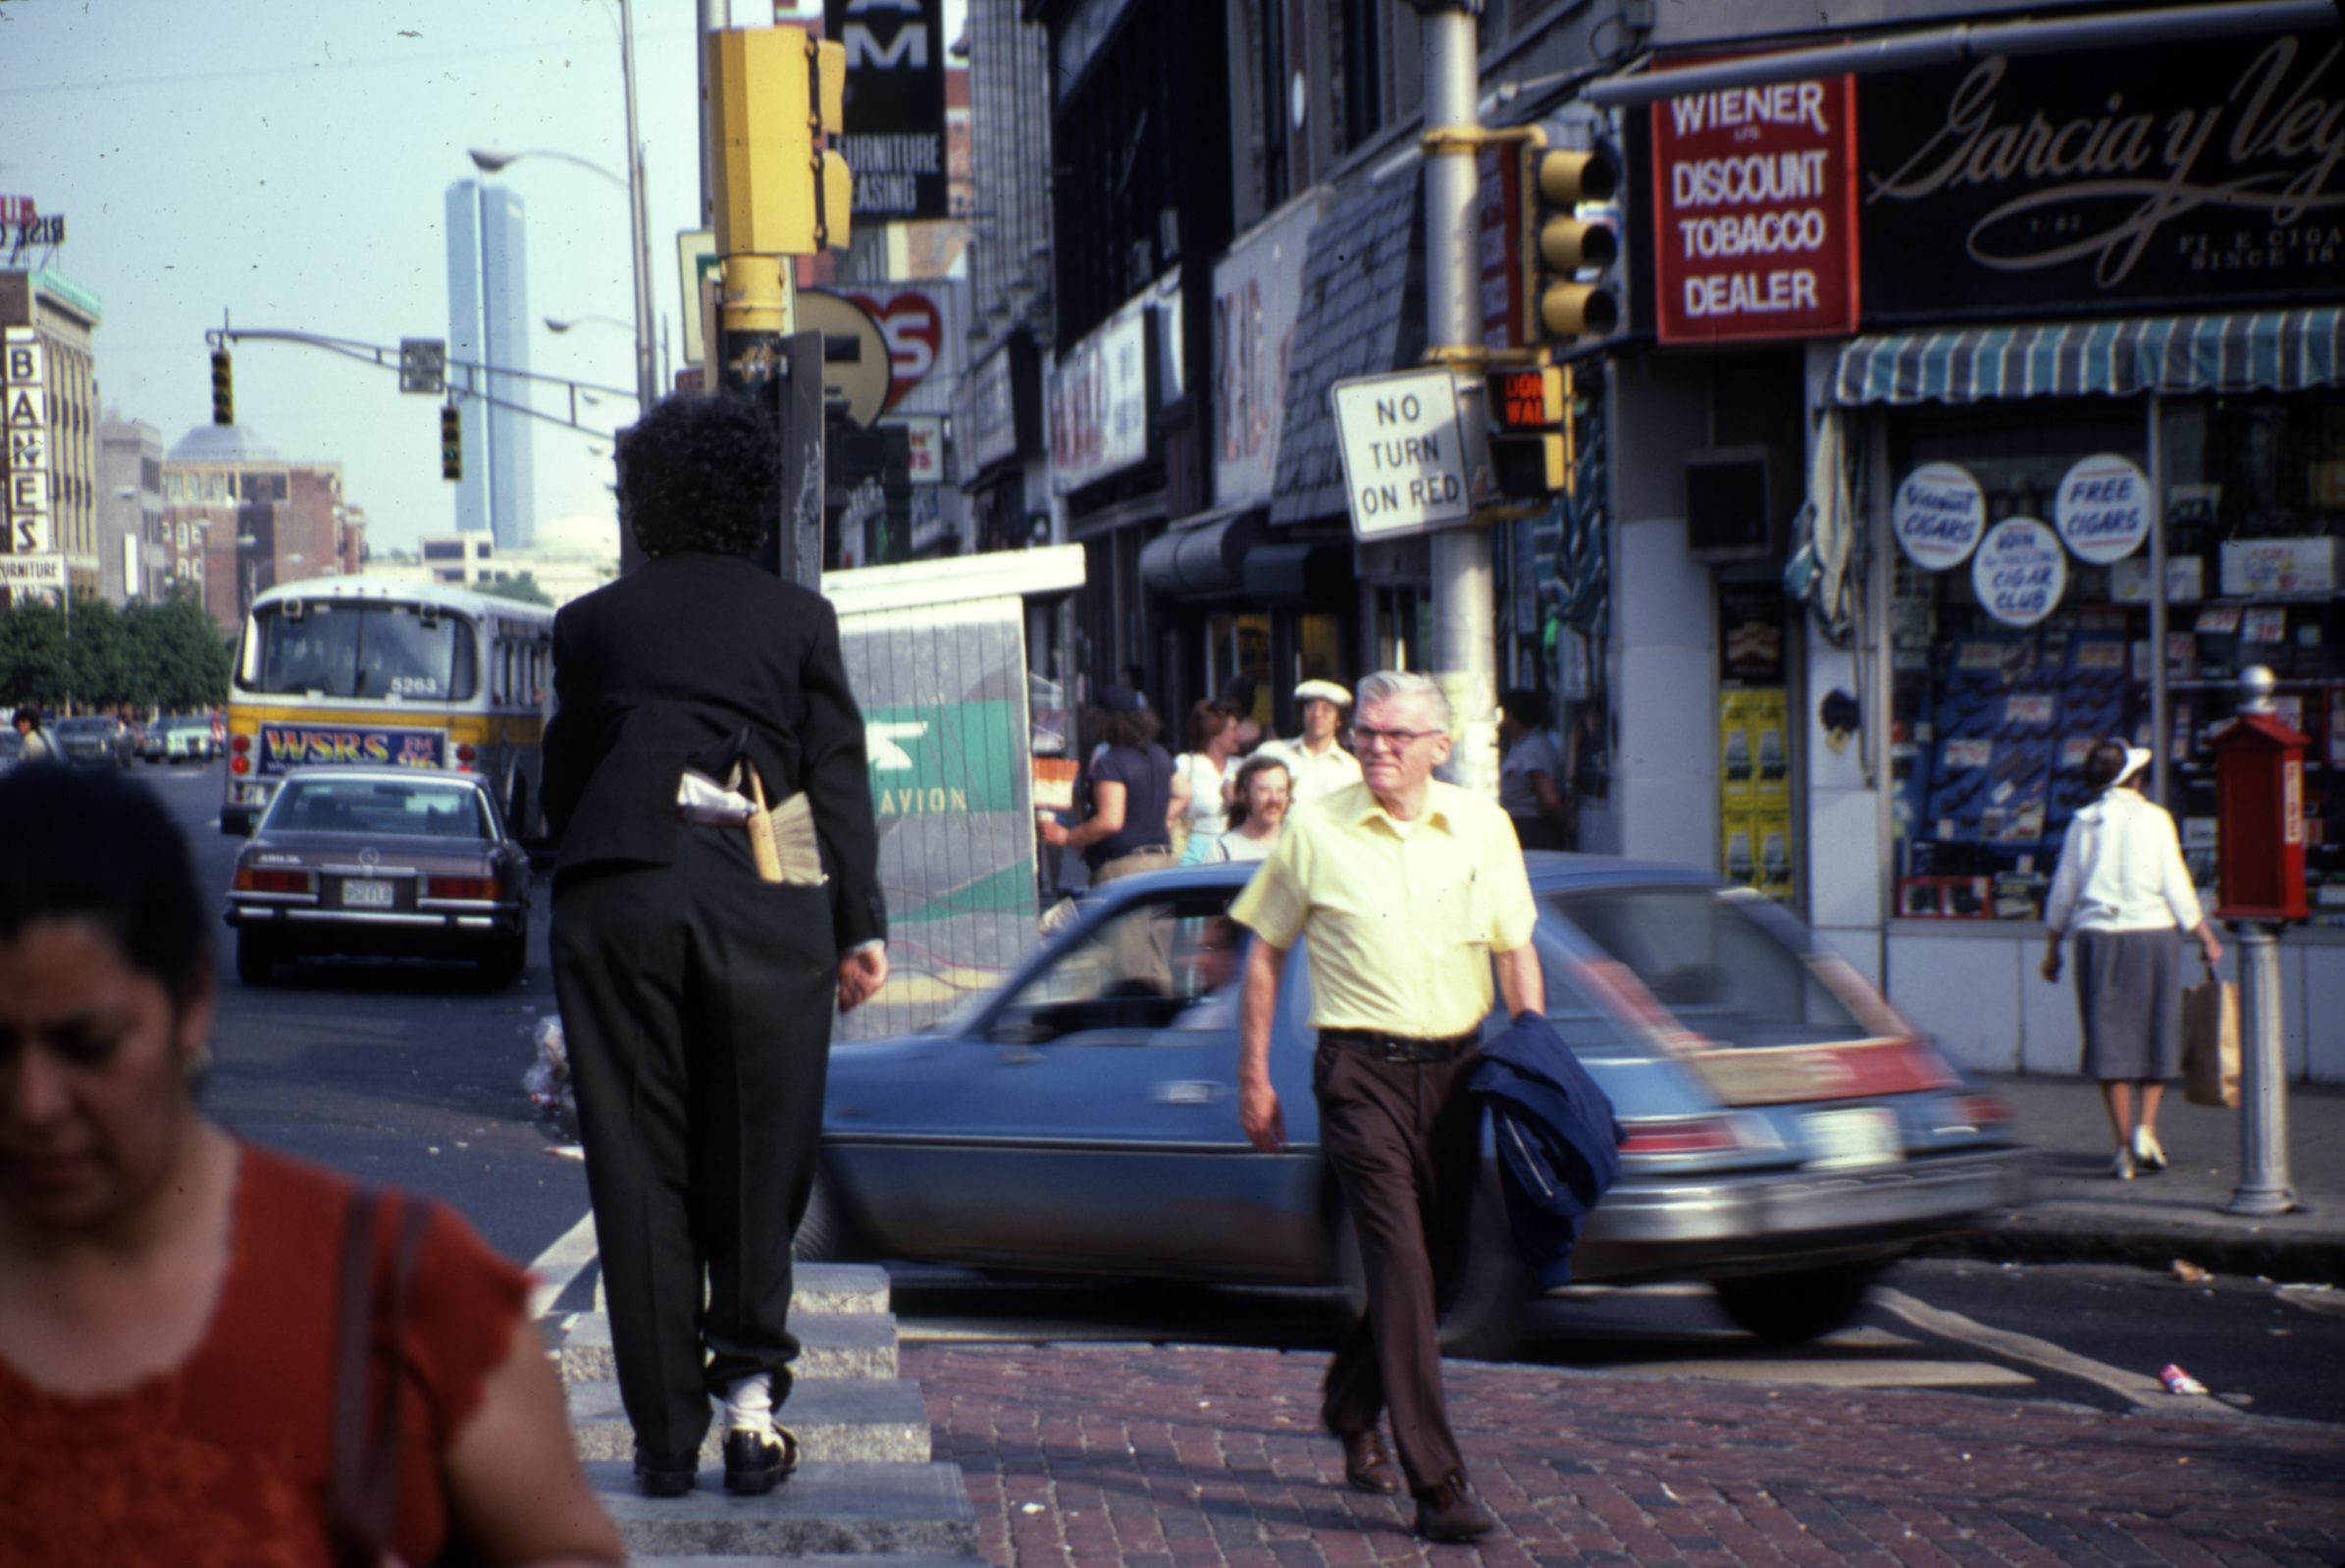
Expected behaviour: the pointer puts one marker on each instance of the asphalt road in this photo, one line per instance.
(411, 1074)
(398, 1073)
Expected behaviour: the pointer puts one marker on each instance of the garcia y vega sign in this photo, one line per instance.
(2158, 175)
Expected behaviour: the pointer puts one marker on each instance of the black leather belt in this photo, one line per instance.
(1401, 1047)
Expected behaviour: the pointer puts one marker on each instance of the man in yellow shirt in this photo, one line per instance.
(1407, 888)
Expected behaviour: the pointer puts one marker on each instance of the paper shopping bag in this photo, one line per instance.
(2211, 1042)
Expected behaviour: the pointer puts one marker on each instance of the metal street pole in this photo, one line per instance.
(1465, 617)
(2263, 1186)
(647, 384)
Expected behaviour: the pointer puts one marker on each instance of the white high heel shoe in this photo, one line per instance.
(2146, 1152)
(2123, 1166)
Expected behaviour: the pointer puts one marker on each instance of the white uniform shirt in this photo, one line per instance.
(1312, 775)
(2122, 870)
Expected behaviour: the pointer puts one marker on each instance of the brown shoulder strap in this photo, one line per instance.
(363, 1508)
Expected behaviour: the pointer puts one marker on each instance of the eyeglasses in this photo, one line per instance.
(1364, 738)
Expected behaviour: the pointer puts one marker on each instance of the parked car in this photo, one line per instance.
(1785, 1133)
(12, 747)
(181, 738)
(94, 740)
(380, 860)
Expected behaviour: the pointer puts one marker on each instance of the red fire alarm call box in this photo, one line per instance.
(2259, 787)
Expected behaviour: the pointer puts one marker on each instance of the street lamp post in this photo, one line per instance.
(491, 159)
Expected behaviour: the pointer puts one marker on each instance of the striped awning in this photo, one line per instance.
(2282, 351)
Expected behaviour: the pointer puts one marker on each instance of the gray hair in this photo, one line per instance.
(1392, 685)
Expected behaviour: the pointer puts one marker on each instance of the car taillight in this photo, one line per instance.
(460, 887)
(239, 763)
(241, 744)
(1982, 1110)
(252, 880)
(1708, 1134)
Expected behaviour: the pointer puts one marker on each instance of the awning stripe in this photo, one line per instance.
(2269, 351)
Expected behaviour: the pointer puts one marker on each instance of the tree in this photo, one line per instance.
(32, 654)
(520, 587)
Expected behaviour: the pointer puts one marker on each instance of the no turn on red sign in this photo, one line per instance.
(1405, 469)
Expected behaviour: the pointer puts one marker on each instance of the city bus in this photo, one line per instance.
(350, 671)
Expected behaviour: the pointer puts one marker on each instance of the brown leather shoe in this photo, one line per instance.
(1448, 1512)
(1367, 1466)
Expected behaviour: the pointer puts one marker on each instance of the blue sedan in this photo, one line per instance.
(1787, 1135)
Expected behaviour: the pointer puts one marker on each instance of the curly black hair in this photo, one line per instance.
(701, 474)
(1136, 728)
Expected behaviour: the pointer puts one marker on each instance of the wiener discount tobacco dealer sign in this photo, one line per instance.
(1755, 231)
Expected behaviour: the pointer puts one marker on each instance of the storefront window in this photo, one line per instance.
(2011, 654)
(2255, 505)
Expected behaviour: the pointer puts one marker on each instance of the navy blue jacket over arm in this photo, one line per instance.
(1558, 1142)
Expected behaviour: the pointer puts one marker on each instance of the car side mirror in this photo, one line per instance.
(1021, 1032)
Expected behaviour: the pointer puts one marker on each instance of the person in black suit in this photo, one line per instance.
(696, 995)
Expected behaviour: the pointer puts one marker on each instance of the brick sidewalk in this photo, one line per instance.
(1145, 1458)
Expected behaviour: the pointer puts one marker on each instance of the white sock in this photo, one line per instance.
(749, 1404)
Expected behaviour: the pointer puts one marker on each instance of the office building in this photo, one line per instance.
(487, 324)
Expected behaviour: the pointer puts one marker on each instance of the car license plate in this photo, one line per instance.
(1848, 1140)
(368, 894)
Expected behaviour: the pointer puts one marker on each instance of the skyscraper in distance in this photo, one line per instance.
(487, 324)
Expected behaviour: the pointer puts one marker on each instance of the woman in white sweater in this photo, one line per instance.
(2122, 888)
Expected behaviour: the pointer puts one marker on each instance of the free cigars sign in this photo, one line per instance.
(1755, 212)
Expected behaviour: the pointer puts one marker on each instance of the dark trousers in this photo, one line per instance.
(697, 1004)
(1404, 1141)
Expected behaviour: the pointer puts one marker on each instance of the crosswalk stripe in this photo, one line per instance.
(560, 1264)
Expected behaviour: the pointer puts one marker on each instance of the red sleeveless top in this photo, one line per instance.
(225, 1461)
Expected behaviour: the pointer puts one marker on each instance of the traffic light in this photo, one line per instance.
(451, 442)
(1528, 458)
(224, 390)
(773, 95)
(1561, 245)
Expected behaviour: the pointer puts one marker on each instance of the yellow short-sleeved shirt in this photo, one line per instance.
(1402, 917)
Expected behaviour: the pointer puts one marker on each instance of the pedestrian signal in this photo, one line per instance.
(1528, 455)
(451, 442)
(224, 390)
(1568, 254)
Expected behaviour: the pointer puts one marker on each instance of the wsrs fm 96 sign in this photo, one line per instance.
(1755, 212)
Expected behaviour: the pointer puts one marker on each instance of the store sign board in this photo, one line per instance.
(1755, 212)
(924, 439)
(1938, 516)
(911, 320)
(893, 137)
(1404, 463)
(1099, 403)
(43, 573)
(2150, 175)
(1257, 294)
(25, 416)
(2252, 566)
(2103, 509)
(2019, 571)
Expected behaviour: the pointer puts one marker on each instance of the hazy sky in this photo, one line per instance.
(287, 162)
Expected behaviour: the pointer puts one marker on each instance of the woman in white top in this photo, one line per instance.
(1263, 786)
(2122, 888)
(1204, 767)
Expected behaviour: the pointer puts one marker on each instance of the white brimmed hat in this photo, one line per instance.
(2137, 758)
(1324, 692)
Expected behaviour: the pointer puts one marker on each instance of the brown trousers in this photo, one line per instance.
(1404, 1141)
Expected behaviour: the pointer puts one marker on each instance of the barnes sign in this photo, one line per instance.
(2168, 175)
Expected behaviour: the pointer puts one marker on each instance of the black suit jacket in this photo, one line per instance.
(676, 658)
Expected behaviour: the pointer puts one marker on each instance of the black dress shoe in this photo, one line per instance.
(665, 1475)
(1448, 1512)
(1367, 1466)
(755, 1463)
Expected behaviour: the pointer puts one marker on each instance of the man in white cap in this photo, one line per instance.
(1316, 762)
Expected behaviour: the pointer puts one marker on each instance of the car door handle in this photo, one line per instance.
(1017, 1056)
(1186, 1091)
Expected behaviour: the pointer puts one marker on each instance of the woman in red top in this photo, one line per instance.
(169, 1296)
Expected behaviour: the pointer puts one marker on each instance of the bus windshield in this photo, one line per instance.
(362, 651)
